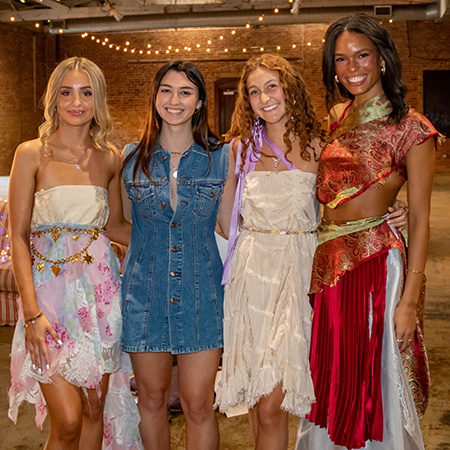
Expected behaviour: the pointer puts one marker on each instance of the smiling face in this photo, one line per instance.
(177, 99)
(266, 95)
(358, 65)
(75, 100)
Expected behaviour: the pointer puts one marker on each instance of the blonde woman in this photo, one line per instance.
(64, 190)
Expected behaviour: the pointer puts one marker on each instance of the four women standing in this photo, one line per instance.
(180, 179)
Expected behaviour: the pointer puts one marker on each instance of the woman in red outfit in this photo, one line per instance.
(364, 292)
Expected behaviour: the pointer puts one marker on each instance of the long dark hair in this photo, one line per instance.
(201, 133)
(392, 81)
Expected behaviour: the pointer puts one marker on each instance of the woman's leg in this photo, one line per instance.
(65, 410)
(153, 372)
(92, 408)
(196, 376)
(272, 423)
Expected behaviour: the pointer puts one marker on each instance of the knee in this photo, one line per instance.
(68, 428)
(197, 409)
(93, 410)
(154, 401)
(270, 416)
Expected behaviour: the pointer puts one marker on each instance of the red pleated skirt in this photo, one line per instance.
(347, 337)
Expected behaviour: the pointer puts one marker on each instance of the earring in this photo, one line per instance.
(383, 69)
(197, 110)
(256, 131)
(336, 79)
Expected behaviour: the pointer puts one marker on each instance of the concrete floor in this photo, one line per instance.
(234, 431)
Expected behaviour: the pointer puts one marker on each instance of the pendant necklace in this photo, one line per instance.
(173, 169)
(276, 161)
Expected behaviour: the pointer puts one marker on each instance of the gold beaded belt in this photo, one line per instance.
(82, 256)
(279, 233)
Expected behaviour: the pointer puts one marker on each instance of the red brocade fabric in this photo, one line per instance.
(346, 355)
(364, 149)
(336, 256)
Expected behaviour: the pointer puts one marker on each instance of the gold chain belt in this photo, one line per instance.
(79, 256)
(279, 233)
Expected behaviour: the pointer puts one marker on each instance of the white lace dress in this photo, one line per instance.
(267, 315)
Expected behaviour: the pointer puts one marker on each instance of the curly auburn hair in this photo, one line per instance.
(302, 119)
(101, 124)
(392, 81)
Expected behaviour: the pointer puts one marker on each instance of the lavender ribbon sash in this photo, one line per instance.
(251, 159)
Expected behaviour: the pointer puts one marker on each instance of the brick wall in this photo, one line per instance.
(422, 46)
(23, 75)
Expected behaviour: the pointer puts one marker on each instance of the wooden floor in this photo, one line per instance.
(234, 431)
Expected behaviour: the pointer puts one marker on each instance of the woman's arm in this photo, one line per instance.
(420, 163)
(227, 201)
(118, 229)
(21, 198)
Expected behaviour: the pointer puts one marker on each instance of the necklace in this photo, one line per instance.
(174, 170)
(276, 161)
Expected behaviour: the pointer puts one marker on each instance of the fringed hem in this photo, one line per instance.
(242, 389)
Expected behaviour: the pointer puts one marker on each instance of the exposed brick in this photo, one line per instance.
(421, 45)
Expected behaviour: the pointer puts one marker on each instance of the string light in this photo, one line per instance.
(60, 31)
(390, 20)
(261, 18)
(198, 46)
(12, 18)
(36, 25)
(148, 52)
(276, 10)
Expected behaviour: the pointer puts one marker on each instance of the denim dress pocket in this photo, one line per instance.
(208, 195)
(144, 197)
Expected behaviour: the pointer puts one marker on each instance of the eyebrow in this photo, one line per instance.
(359, 51)
(267, 82)
(181, 87)
(70, 87)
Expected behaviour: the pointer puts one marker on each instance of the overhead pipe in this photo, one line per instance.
(240, 18)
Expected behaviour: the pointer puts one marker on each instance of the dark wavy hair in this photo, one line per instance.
(392, 81)
(201, 133)
(302, 117)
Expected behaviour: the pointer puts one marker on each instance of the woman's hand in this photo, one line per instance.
(35, 334)
(405, 324)
(398, 215)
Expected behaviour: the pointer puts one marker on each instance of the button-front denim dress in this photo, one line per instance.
(171, 285)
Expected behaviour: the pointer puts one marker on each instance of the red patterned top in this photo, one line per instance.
(365, 149)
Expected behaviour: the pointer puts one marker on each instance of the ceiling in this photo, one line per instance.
(78, 16)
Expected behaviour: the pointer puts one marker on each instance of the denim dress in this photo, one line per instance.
(171, 284)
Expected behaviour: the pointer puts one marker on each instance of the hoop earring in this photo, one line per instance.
(383, 69)
(336, 79)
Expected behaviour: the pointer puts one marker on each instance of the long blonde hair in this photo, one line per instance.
(302, 117)
(101, 123)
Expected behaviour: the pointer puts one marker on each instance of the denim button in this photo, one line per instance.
(163, 205)
(164, 179)
(164, 158)
(175, 249)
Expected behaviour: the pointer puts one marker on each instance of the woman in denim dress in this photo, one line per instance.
(178, 179)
